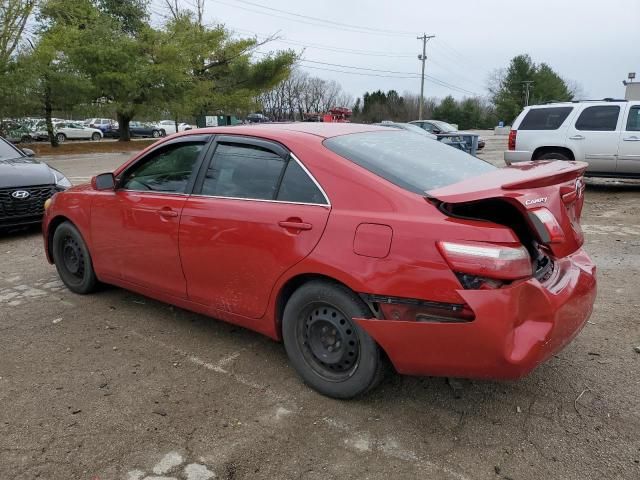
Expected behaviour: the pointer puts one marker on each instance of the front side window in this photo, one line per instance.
(633, 120)
(243, 171)
(545, 118)
(599, 118)
(167, 170)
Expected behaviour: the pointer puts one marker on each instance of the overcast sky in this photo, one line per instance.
(593, 42)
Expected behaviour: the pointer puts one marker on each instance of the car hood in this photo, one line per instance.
(24, 172)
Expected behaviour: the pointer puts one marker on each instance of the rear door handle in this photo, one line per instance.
(577, 137)
(167, 212)
(631, 139)
(291, 225)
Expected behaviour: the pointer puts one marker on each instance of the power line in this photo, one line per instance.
(330, 22)
(362, 30)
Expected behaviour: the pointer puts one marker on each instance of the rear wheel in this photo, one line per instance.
(61, 137)
(95, 137)
(553, 156)
(72, 259)
(327, 348)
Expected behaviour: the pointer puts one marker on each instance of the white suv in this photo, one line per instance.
(605, 134)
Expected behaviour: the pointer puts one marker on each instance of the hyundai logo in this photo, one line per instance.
(21, 194)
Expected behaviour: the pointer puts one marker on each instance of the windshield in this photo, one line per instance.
(413, 128)
(444, 127)
(7, 152)
(413, 162)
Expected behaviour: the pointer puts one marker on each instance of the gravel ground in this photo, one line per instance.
(118, 386)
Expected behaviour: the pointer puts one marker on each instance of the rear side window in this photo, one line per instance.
(599, 118)
(633, 121)
(413, 162)
(545, 118)
(243, 171)
(298, 187)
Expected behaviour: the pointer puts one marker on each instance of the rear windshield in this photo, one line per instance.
(411, 161)
(544, 118)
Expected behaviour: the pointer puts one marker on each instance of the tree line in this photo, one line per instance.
(58, 54)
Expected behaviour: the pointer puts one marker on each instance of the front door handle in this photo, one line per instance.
(577, 137)
(633, 138)
(167, 212)
(295, 225)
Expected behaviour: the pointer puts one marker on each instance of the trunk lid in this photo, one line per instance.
(544, 192)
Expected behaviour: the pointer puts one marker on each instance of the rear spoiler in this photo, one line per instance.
(573, 170)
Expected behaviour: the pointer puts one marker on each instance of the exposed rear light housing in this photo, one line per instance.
(487, 260)
(546, 225)
(512, 139)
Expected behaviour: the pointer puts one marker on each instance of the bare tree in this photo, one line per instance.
(14, 15)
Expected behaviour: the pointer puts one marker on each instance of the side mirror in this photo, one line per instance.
(104, 181)
(28, 152)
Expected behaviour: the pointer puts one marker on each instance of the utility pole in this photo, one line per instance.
(423, 57)
(527, 84)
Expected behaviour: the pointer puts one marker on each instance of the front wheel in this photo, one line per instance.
(327, 348)
(155, 134)
(72, 259)
(61, 137)
(96, 136)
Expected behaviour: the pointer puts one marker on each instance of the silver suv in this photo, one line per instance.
(603, 133)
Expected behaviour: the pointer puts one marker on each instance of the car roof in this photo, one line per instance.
(318, 129)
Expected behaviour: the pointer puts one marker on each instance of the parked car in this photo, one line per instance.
(257, 118)
(15, 132)
(409, 127)
(438, 127)
(169, 126)
(605, 134)
(107, 126)
(141, 129)
(25, 184)
(75, 131)
(345, 241)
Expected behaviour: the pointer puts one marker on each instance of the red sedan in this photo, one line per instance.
(345, 241)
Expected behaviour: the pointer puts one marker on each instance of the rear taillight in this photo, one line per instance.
(512, 139)
(546, 225)
(487, 260)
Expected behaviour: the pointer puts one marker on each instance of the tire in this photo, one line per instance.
(72, 259)
(155, 134)
(553, 156)
(96, 136)
(61, 137)
(329, 351)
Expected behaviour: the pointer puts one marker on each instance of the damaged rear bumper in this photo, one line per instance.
(515, 328)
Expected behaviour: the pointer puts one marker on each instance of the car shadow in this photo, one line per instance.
(612, 185)
(15, 232)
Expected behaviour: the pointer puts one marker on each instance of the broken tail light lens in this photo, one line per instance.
(487, 259)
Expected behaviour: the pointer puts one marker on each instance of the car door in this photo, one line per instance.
(594, 137)
(255, 212)
(135, 228)
(629, 147)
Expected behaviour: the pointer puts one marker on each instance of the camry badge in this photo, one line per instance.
(21, 194)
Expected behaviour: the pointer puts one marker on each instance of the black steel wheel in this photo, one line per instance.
(72, 259)
(329, 342)
(327, 348)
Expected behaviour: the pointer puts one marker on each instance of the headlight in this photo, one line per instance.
(62, 182)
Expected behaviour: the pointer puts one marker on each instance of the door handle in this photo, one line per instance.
(577, 137)
(167, 212)
(631, 139)
(295, 225)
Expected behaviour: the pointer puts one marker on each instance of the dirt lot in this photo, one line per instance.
(118, 386)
